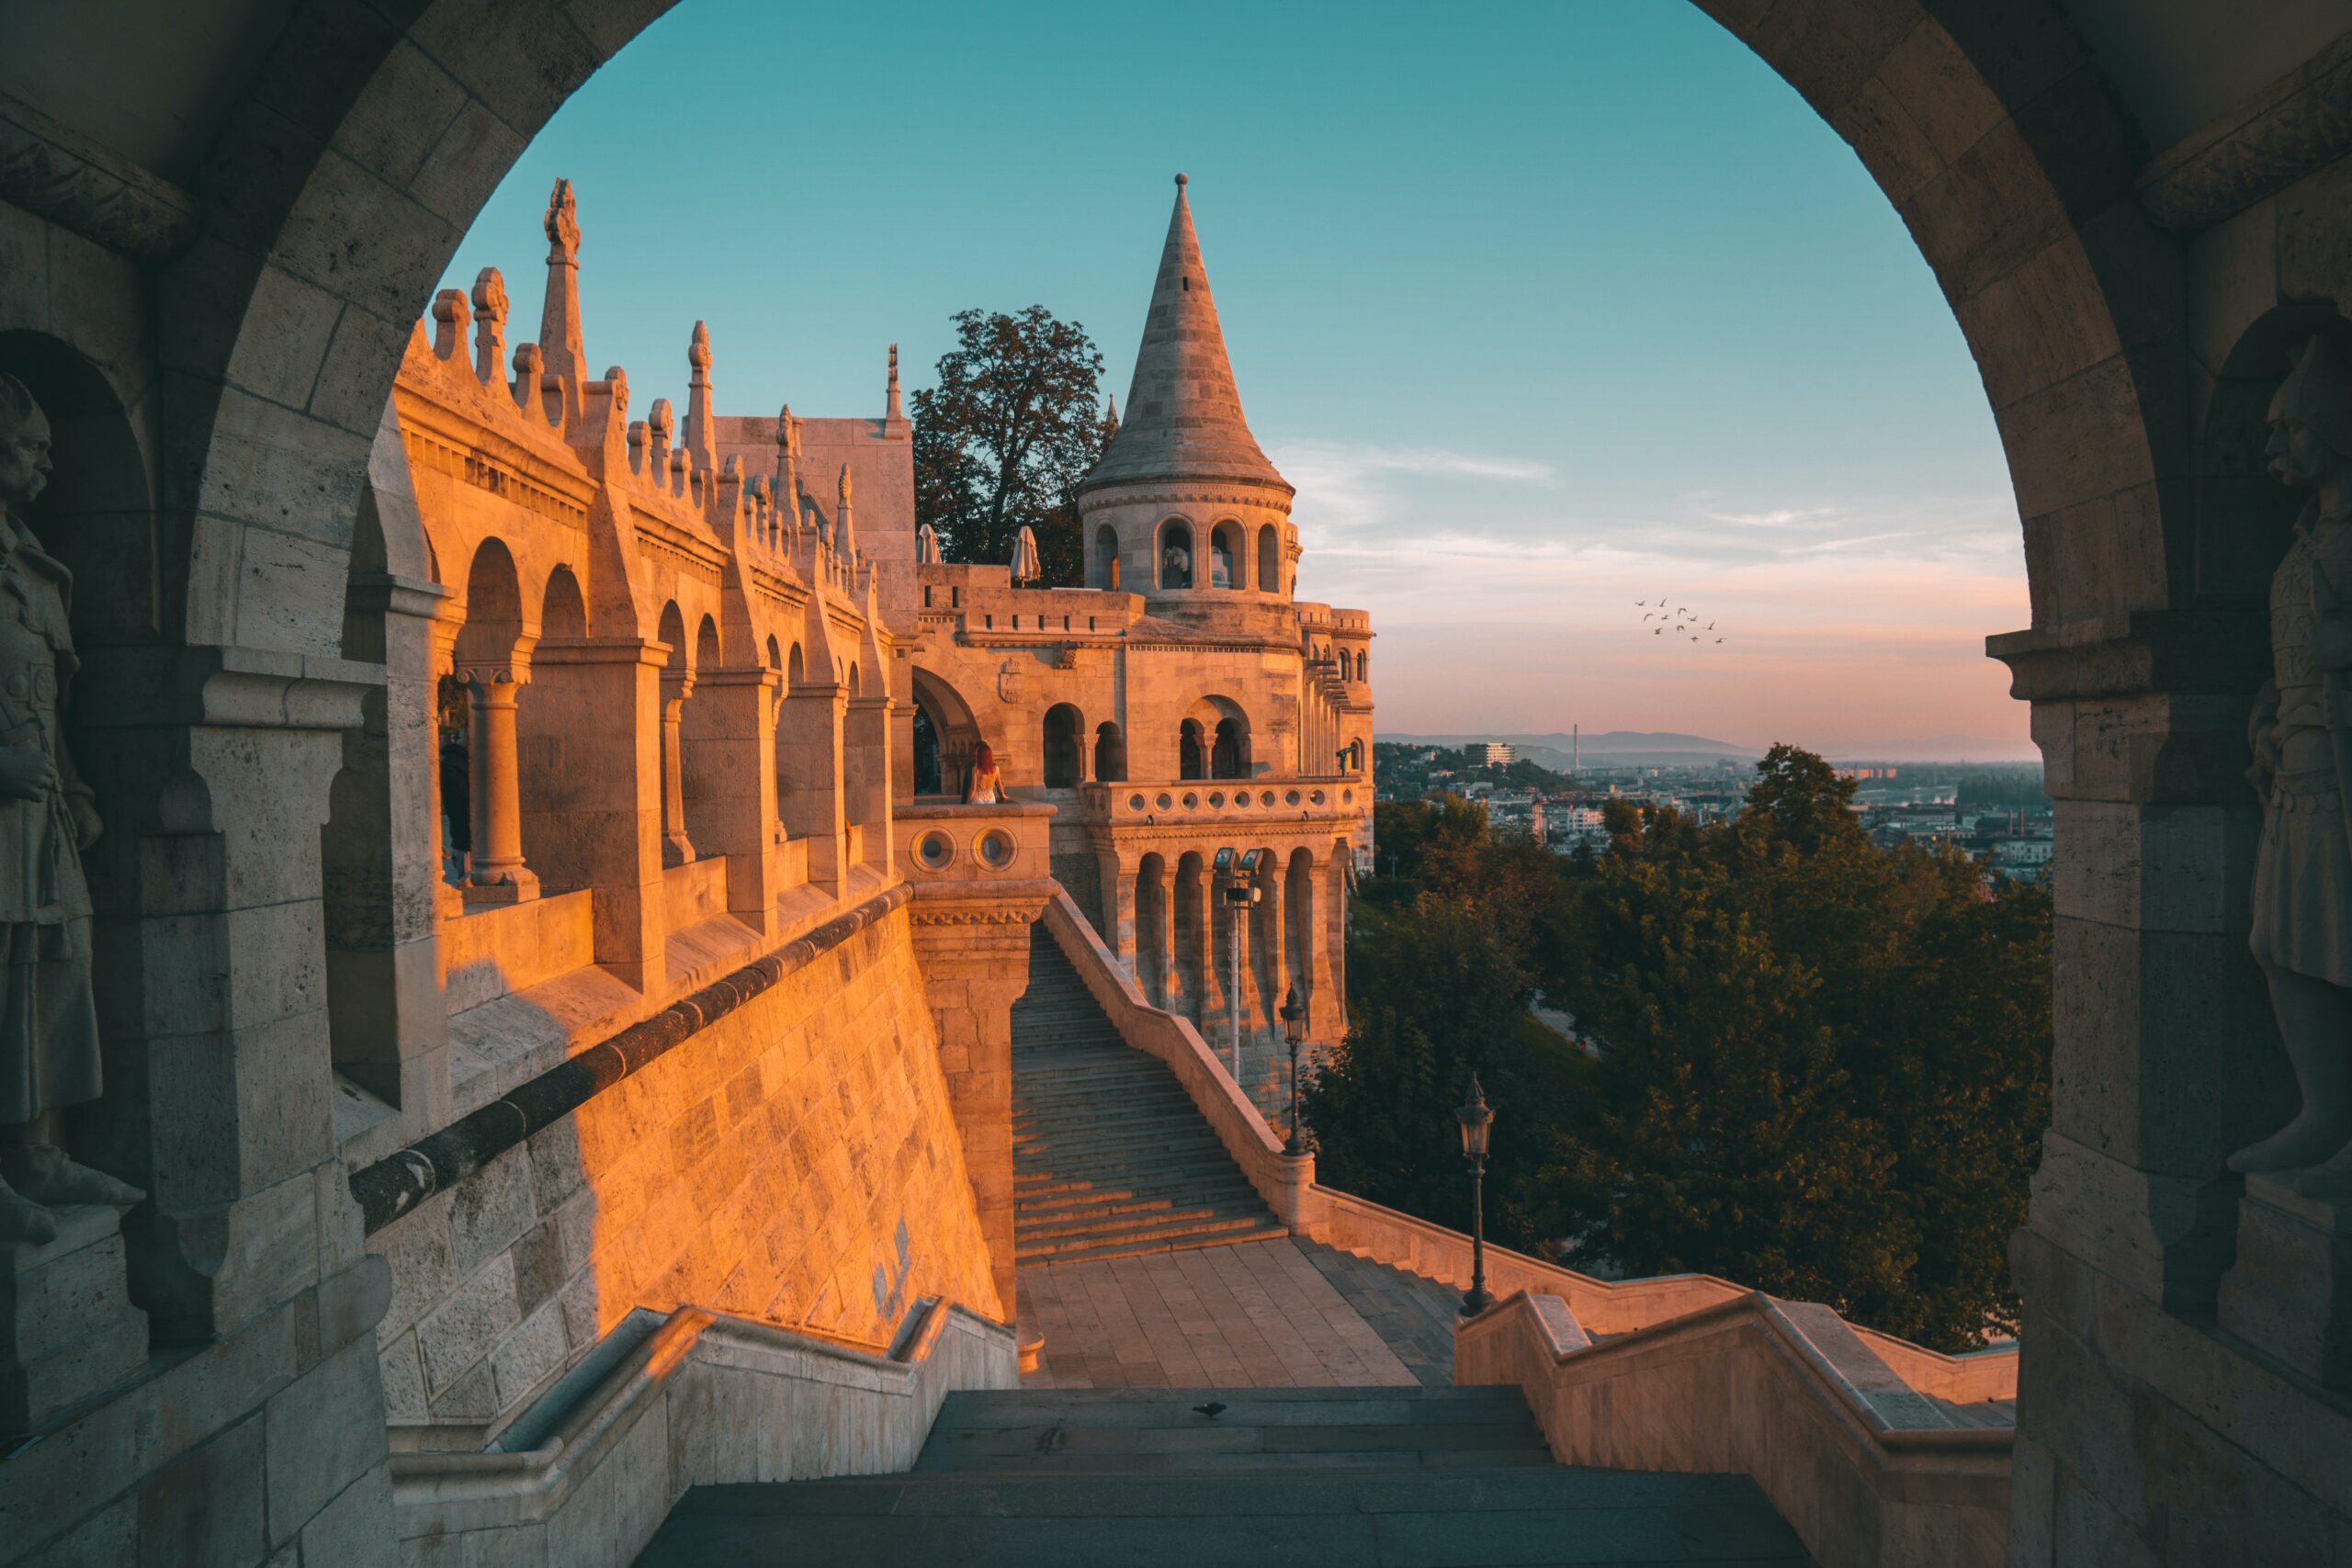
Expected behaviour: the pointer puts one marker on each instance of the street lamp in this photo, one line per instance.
(1237, 870)
(1293, 1013)
(1477, 1127)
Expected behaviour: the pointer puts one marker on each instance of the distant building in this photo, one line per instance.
(1490, 753)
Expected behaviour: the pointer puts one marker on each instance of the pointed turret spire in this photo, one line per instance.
(891, 413)
(845, 531)
(1184, 417)
(1111, 421)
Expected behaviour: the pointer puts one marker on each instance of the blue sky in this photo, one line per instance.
(1544, 309)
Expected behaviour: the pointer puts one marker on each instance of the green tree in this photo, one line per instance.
(1823, 1066)
(1001, 443)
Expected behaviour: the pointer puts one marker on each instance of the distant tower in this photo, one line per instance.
(1183, 491)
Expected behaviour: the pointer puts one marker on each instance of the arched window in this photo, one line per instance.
(1229, 755)
(1175, 554)
(926, 749)
(1270, 559)
(1107, 558)
(1062, 730)
(1192, 754)
(1110, 754)
(562, 615)
(1225, 556)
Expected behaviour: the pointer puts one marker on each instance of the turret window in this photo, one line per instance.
(1175, 554)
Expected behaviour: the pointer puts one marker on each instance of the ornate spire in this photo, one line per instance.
(891, 413)
(1184, 417)
(700, 441)
(1111, 421)
(559, 312)
(844, 534)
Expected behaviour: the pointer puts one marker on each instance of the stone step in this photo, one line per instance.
(1144, 1098)
(1095, 1224)
(1136, 1199)
(1144, 1247)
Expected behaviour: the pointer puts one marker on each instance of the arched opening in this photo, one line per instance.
(705, 757)
(1060, 749)
(1270, 559)
(1110, 753)
(1226, 556)
(1105, 561)
(955, 731)
(1192, 750)
(677, 686)
(2002, 215)
(1191, 930)
(1229, 751)
(563, 613)
(795, 672)
(1175, 554)
(1151, 928)
(927, 775)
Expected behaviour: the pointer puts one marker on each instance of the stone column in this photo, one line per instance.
(1164, 937)
(809, 780)
(676, 847)
(499, 875)
(865, 739)
(971, 942)
(592, 744)
(726, 756)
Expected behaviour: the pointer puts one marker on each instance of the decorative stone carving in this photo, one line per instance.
(2301, 732)
(48, 1026)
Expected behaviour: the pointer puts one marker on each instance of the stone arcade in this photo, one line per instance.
(482, 1220)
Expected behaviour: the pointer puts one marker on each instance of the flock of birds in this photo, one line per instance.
(1679, 619)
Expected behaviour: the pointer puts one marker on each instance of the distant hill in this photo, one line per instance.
(1647, 749)
(1600, 743)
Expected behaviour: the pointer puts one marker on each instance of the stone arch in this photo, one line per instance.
(795, 673)
(1990, 129)
(671, 632)
(1151, 932)
(1270, 559)
(1175, 557)
(1228, 557)
(1104, 568)
(97, 514)
(958, 732)
(1110, 753)
(1223, 728)
(494, 624)
(1061, 751)
(564, 614)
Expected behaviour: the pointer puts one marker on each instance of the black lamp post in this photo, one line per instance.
(1478, 1126)
(1293, 1013)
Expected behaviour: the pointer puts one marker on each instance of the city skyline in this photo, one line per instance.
(1588, 403)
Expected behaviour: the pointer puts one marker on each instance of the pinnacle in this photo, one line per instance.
(1183, 412)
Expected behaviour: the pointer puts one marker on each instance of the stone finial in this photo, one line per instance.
(1110, 419)
(636, 446)
(700, 442)
(1180, 182)
(926, 546)
(562, 224)
(449, 313)
(617, 378)
(530, 366)
(657, 426)
(845, 490)
(891, 413)
(844, 530)
(489, 323)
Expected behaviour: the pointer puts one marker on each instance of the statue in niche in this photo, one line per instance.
(1176, 563)
(48, 1025)
(2301, 731)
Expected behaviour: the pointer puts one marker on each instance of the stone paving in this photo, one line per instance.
(1284, 1313)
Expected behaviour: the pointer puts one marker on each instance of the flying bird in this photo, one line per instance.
(1719, 639)
(1651, 616)
(1213, 1409)
(1711, 625)
(1660, 632)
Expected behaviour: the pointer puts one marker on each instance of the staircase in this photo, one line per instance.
(1110, 1157)
(1408, 1478)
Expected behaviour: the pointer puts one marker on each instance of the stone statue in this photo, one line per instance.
(2301, 731)
(48, 1025)
(1175, 565)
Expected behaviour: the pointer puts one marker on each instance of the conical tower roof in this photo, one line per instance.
(1183, 414)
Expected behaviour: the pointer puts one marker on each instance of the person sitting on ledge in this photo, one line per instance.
(987, 786)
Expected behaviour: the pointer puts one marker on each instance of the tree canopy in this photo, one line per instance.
(1804, 1062)
(1002, 439)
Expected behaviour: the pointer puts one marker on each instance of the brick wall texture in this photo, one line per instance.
(796, 1162)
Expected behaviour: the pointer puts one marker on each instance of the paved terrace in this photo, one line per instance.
(1282, 1314)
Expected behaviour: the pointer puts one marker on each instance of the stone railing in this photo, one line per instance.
(1871, 1471)
(587, 1474)
(947, 843)
(1274, 798)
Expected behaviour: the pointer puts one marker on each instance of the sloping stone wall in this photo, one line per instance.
(795, 1162)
